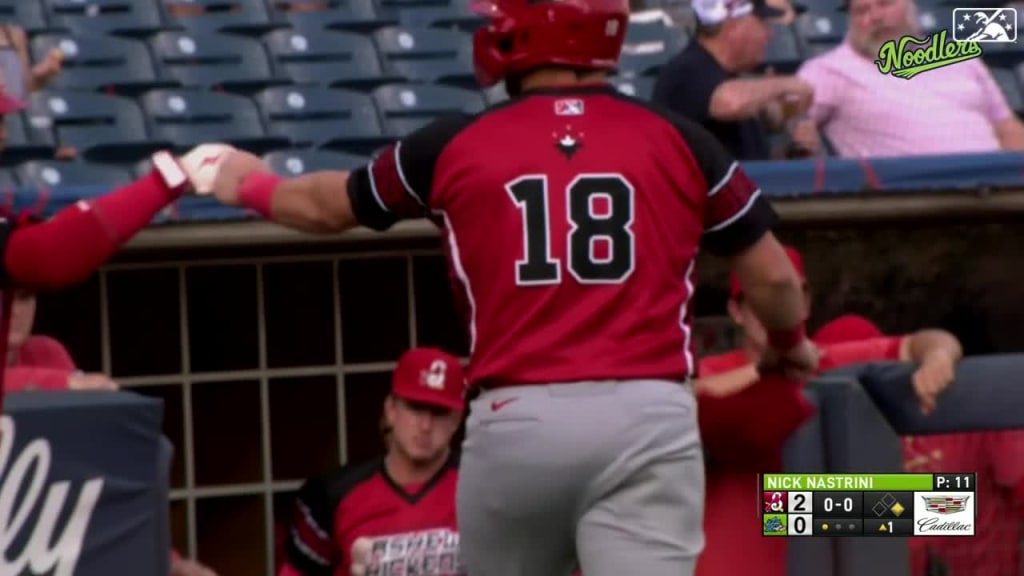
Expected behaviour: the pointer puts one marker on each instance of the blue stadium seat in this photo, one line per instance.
(102, 128)
(1011, 87)
(28, 14)
(346, 15)
(640, 87)
(136, 18)
(454, 15)
(934, 17)
(1003, 54)
(822, 27)
(100, 63)
(406, 107)
(783, 52)
(655, 34)
(320, 117)
(23, 144)
(191, 117)
(209, 16)
(288, 163)
(327, 58)
(52, 173)
(427, 55)
(8, 180)
(216, 61)
(642, 63)
(495, 94)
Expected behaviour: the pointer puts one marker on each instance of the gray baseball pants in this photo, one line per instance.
(605, 476)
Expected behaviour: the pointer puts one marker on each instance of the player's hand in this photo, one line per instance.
(932, 377)
(184, 567)
(799, 363)
(78, 381)
(219, 169)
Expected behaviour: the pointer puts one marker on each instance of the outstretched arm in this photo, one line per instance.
(79, 238)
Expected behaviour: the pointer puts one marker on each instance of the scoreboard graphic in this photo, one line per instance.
(868, 504)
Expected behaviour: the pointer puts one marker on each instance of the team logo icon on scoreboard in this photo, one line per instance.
(944, 514)
(775, 525)
(774, 502)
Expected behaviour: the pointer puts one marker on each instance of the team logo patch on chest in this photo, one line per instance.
(425, 553)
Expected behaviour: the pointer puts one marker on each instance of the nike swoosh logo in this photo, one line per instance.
(499, 404)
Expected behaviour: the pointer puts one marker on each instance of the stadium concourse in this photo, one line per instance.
(260, 343)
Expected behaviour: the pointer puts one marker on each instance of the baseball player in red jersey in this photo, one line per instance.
(395, 515)
(745, 419)
(67, 248)
(998, 459)
(572, 216)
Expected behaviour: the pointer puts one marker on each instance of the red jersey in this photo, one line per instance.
(360, 516)
(572, 219)
(751, 427)
(998, 460)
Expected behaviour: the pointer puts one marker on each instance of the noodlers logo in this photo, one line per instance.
(911, 56)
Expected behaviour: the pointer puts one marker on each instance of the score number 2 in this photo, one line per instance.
(538, 267)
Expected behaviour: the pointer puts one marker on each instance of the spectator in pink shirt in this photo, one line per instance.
(955, 109)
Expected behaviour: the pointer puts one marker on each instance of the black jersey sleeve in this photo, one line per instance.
(396, 185)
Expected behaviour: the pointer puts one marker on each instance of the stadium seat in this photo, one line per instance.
(495, 94)
(1003, 54)
(320, 117)
(136, 18)
(8, 180)
(101, 127)
(821, 27)
(642, 63)
(1011, 87)
(191, 117)
(213, 61)
(289, 163)
(783, 54)
(25, 13)
(22, 144)
(345, 15)
(100, 63)
(934, 17)
(454, 15)
(208, 16)
(327, 58)
(427, 55)
(641, 87)
(51, 173)
(654, 34)
(406, 107)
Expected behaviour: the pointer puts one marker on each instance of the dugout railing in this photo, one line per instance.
(257, 339)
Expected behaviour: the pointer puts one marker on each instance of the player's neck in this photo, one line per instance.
(559, 77)
(752, 350)
(404, 471)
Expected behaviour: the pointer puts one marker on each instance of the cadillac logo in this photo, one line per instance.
(945, 504)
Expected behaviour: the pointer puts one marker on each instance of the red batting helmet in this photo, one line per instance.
(523, 35)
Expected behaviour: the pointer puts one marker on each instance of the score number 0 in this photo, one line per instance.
(800, 508)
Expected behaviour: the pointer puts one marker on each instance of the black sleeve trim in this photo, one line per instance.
(398, 183)
(752, 224)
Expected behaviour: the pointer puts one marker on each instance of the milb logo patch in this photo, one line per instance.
(426, 553)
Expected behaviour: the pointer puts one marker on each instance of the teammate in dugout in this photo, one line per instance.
(395, 515)
(745, 419)
(572, 217)
(67, 248)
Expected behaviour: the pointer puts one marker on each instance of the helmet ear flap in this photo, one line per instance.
(489, 57)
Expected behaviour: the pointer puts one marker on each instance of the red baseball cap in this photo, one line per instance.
(847, 328)
(735, 288)
(430, 376)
